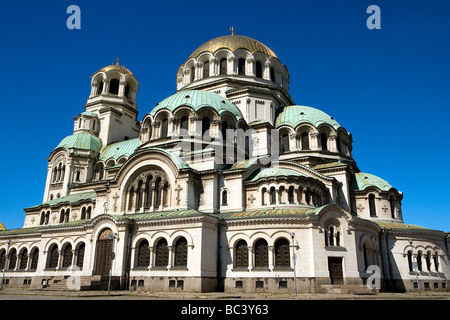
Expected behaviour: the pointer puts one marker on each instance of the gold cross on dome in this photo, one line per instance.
(232, 30)
(117, 63)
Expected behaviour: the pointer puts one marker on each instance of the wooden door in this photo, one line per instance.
(335, 269)
(103, 258)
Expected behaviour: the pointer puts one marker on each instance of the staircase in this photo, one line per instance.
(82, 283)
(347, 289)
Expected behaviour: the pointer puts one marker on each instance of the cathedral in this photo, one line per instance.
(226, 185)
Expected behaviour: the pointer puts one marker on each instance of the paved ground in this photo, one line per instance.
(22, 294)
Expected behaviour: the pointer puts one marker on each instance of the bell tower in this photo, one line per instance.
(113, 100)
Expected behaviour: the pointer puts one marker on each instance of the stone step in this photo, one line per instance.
(346, 289)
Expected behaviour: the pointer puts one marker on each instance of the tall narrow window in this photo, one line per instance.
(241, 67)
(53, 258)
(223, 66)
(158, 192)
(258, 70)
(291, 195)
(261, 254)
(436, 261)
(140, 194)
(12, 259)
(272, 74)
(114, 86)
(284, 143)
(428, 260)
(410, 262)
(282, 257)
(206, 69)
(181, 253)
(162, 254)
(324, 141)
(372, 209)
(143, 254)
(80, 255)
(149, 191)
(273, 196)
(419, 260)
(100, 87)
(206, 124)
(127, 91)
(263, 196)
(23, 259)
(34, 259)
(184, 126)
(164, 128)
(392, 203)
(241, 254)
(305, 141)
(67, 256)
(224, 198)
(192, 74)
(131, 199)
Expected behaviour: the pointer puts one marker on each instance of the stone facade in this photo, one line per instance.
(225, 185)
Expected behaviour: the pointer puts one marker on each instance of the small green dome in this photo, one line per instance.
(274, 172)
(361, 181)
(81, 140)
(118, 149)
(294, 115)
(197, 99)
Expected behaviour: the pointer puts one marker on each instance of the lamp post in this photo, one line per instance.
(294, 258)
(415, 265)
(6, 263)
(112, 258)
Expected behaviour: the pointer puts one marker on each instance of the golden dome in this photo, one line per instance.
(117, 67)
(2, 227)
(233, 42)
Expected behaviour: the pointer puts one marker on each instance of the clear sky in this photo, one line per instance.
(389, 87)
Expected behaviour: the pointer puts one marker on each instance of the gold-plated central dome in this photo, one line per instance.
(233, 42)
(2, 227)
(117, 67)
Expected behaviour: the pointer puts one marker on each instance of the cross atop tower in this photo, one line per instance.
(232, 30)
(117, 63)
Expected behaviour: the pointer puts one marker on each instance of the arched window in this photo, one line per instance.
(140, 194)
(131, 198)
(291, 194)
(392, 205)
(143, 259)
(34, 259)
(12, 259)
(2, 259)
(66, 215)
(284, 143)
(419, 260)
(324, 141)
(127, 91)
(282, 257)
(162, 254)
(184, 126)
(47, 217)
(372, 208)
(77, 176)
(23, 259)
(224, 198)
(206, 69)
(164, 128)
(410, 262)
(100, 87)
(192, 74)
(241, 254)
(114, 86)
(206, 124)
(428, 260)
(181, 253)
(67, 256)
(263, 196)
(42, 219)
(149, 191)
(261, 254)
(224, 130)
(273, 196)
(338, 144)
(165, 194)
(223, 66)
(258, 70)
(53, 257)
(158, 192)
(436, 261)
(88, 212)
(305, 141)
(83, 213)
(241, 67)
(272, 74)
(80, 255)
(61, 216)
(365, 255)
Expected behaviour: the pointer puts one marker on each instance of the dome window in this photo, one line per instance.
(241, 67)
(114, 86)
(258, 69)
(127, 91)
(206, 69)
(187, 96)
(100, 87)
(223, 66)
(272, 74)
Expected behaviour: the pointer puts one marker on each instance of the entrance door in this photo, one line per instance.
(335, 268)
(103, 257)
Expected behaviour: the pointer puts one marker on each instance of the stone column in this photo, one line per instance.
(271, 257)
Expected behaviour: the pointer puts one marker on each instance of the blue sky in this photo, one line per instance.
(390, 87)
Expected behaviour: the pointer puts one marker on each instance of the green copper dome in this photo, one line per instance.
(294, 115)
(274, 172)
(363, 180)
(81, 140)
(198, 99)
(118, 149)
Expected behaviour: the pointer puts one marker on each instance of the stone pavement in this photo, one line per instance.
(27, 294)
